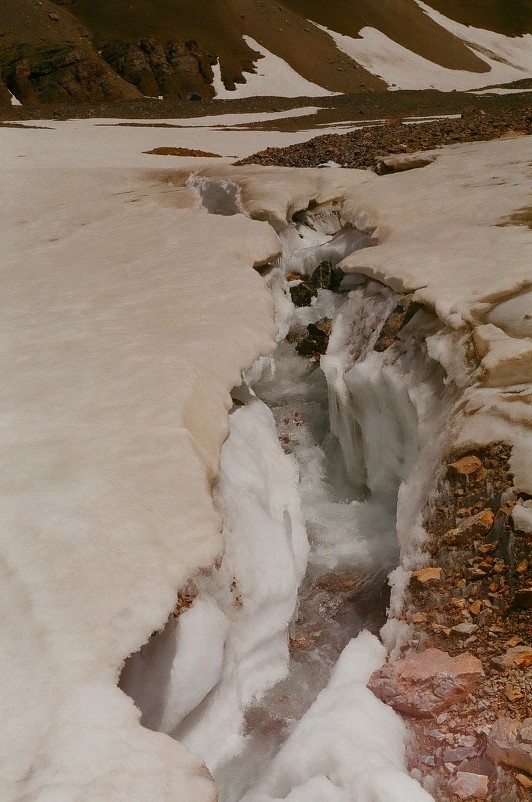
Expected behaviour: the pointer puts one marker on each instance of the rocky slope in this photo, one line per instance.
(87, 51)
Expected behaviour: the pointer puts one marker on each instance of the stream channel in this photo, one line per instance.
(329, 462)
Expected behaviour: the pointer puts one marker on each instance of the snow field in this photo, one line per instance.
(128, 315)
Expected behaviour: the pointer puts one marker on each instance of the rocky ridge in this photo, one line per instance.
(371, 145)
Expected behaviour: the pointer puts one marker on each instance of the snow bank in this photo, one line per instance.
(231, 645)
(126, 320)
(273, 77)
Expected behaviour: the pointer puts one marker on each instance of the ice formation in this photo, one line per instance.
(126, 323)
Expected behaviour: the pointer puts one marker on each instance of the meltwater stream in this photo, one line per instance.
(261, 670)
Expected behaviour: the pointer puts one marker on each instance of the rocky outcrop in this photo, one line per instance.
(175, 70)
(62, 74)
(425, 683)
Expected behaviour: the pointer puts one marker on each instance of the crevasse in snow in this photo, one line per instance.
(360, 430)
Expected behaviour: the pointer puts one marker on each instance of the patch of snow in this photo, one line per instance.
(14, 100)
(491, 47)
(500, 90)
(273, 77)
(403, 69)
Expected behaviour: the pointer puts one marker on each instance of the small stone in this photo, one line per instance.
(429, 575)
(515, 641)
(459, 753)
(469, 786)
(512, 693)
(522, 568)
(53, 17)
(465, 628)
(523, 780)
(441, 718)
(419, 618)
(465, 466)
(475, 608)
(486, 548)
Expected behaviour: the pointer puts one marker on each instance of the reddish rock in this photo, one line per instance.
(510, 742)
(465, 466)
(427, 576)
(424, 684)
(469, 786)
(516, 657)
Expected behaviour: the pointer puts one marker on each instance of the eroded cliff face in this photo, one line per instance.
(48, 56)
(175, 70)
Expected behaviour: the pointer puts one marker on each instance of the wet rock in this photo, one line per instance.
(303, 293)
(510, 742)
(469, 786)
(403, 312)
(318, 338)
(424, 684)
(325, 277)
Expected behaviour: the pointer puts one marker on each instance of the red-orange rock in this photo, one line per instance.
(424, 684)
(465, 466)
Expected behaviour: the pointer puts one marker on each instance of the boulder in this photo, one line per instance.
(510, 742)
(516, 657)
(469, 786)
(425, 683)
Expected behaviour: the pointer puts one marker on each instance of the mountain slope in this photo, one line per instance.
(74, 50)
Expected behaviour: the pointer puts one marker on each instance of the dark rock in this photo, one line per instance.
(523, 599)
(459, 753)
(318, 338)
(60, 74)
(325, 277)
(303, 293)
(403, 312)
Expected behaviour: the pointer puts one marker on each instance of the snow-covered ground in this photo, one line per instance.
(129, 313)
